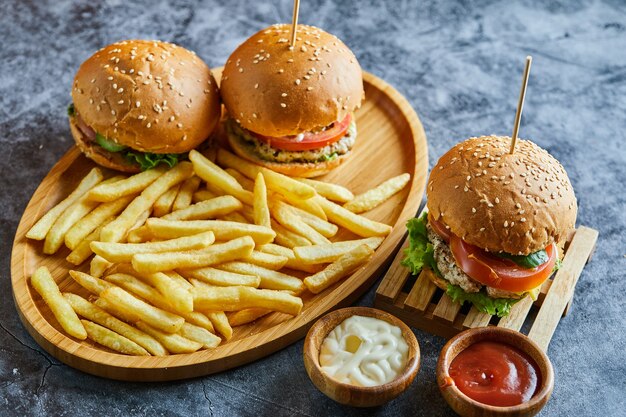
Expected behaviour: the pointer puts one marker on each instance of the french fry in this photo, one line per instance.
(241, 317)
(164, 203)
(248, 213)
(44, 224)
(185, 194)
(134, 285)
(123, 252)
(292, 261)
(310, 206)
(245, 182)
(134, 307)
(291, 221)
(239, 298)
(173, 342)
(83, 250)
(141, 220)
(182, 281)
(230, 160)
(90, 283)
(99, 216)
(207, 209)
(266, 260)
(115, 311)
(139, 235)
(261, 211)
(131, 185)
(56, 235)
(44, 284)
(176, 294)
(222, 278)
(94, 313)
(325, 228)
(223, 230)
(223, 252)
(319, 254)
(339, 269)
(98, 265)
(117, 229)
(200, 335)
(287, 238)
(378, 195)
(213, 174)
(234, 217)
(203, 195)
(277, 182)
(221, 324)
(112, 340)
(359, 225)
(270, 279)
(329, 190)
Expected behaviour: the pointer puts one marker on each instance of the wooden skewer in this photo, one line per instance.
(294, 21)
(520, 103)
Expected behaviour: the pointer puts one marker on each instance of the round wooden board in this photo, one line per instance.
(391, 141)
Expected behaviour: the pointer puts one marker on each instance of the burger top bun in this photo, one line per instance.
(516, 203)
(274, 89)
(151, 96)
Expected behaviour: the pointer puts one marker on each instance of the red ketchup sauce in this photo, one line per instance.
(495, 374)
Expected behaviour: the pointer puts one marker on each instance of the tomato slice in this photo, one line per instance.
(440, 229)
(309, 140)
(496, 272)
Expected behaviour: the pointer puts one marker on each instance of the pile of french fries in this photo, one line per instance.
(183, 255)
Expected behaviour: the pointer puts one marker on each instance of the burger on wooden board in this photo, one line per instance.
(291, 108)
(138, 103)
(496, 222)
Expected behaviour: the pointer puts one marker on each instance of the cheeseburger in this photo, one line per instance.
(137, 104)
(291, 108)
(496, 222)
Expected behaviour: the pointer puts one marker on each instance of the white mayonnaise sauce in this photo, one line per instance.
(364, 351)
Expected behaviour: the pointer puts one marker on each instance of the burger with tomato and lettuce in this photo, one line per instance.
(291, 108)
(496, 222)
(137, 104)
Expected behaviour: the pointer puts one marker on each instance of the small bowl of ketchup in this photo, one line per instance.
(491, 371)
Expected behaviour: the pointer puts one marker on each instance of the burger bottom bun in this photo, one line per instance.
(293, 169)
(99, 155)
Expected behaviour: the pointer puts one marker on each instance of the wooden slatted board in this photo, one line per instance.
(421, 304)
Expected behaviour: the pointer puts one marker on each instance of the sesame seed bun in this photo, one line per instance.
(151, 96)
(275, 90)
(518, 203)
(293, 169)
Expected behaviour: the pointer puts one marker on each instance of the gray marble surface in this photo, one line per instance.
(458, 62)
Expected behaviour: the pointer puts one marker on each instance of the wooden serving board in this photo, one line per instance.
(391, 141)
(420, 303)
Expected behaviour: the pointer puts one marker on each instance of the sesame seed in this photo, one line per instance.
(113, 112)
(283, 95)
(171, 119)
(482, 229)
(473, 210)
(497, 200)
(179, 125)
(120, 102)
(523, 219)
(120, 90)
(149, 125)
(298, 81)
(137, 104)
(506, 223)
(283, 105)
(309, 88)
(240, 69)
(254, 115)
(110, 78)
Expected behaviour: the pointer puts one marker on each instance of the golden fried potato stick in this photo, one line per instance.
(44, 284)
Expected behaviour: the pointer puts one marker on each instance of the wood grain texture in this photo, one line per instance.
(391, 140)
(420, 308)
(350, 394)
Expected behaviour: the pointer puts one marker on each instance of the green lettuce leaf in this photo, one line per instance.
(420, 252)
(494, 306)
(70, 110)
(108, 144)
(149, 160)
(529, 261)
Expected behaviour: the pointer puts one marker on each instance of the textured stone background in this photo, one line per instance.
(458, 62)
